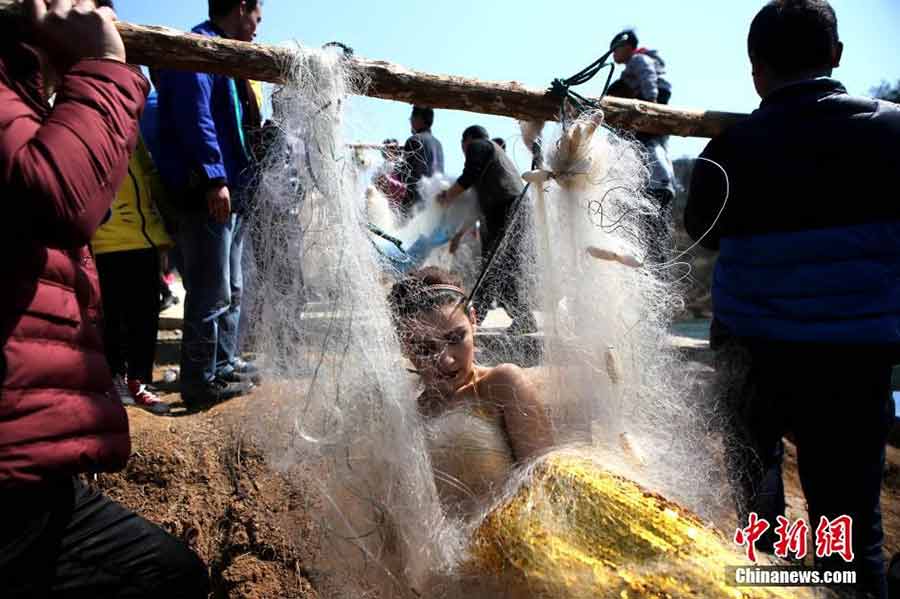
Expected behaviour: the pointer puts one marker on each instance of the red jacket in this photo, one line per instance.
(59, 170)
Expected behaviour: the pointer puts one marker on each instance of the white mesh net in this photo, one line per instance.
(601, 359)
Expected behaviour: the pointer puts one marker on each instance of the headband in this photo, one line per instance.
(450, 288)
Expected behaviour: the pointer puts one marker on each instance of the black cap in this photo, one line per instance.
(625, 37)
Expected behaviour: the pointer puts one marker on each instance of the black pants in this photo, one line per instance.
(836, 402)
(129, 284)
(658, 228)
(65, 540)
(506, 282)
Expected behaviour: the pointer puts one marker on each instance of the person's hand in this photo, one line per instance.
(218, 200)
(443, 198)
(72, 30)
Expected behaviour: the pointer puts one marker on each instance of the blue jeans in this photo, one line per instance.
(213, 283)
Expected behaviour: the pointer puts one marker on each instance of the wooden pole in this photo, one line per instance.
(362, 146)
(162, 47)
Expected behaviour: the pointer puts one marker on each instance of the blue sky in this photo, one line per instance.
(531, 41)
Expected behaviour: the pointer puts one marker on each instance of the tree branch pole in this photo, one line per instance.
(161, 47)
(365, 146)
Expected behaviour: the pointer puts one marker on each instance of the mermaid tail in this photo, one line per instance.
(574, 530)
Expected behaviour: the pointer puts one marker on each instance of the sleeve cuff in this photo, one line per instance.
(464, 183)
(215, 172)
(111, 68)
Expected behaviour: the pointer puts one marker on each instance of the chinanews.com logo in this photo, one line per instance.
(831, 538)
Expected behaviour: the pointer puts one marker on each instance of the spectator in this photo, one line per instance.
(422, 153)
(644, 79)
(644, 74)
(150, 118)
(206, 160)
(127, 249)
(59, 168)
(170, 261)
(804, 284)
(494, 176)
(273, 233)
(387, 179)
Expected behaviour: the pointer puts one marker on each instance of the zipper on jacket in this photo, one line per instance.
(137, 195)
(239, 116)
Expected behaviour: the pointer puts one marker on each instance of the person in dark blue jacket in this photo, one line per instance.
(806, 291)
(205, 153)
(423, 156)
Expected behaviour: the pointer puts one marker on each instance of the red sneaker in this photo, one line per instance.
(146, 399)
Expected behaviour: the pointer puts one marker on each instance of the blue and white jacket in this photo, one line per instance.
(809, 237)
(201, 134)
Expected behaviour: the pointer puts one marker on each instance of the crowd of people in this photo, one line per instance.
(498, 184)
(109, 189)
(496, 180)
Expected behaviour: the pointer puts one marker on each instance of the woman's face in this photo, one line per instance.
(441, 345)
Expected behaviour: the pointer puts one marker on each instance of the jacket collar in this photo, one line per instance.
(212, 27)
(808, 88)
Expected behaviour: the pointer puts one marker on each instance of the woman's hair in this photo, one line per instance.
(424, 289)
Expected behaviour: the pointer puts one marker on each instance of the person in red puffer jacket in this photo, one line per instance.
(59, 170)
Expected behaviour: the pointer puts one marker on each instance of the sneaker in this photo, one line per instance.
(147, 399)
(233, 376)
(215, 391)
(122, 391)
(168, 301)
(247, 370)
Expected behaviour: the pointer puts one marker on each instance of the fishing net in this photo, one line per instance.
(586, 520)
(330, 348)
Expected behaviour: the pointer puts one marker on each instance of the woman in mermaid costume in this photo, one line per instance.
(545, 521)
(437, 331)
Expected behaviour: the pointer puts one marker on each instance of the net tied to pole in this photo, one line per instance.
(562, 88)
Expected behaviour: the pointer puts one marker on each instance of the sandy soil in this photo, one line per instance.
(202, 477)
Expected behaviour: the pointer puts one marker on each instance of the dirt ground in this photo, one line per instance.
(202, 478)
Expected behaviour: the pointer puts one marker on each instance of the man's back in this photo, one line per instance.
(810, 157)
(495, 177)
(810, 245)
(645, 75)
(424, 156)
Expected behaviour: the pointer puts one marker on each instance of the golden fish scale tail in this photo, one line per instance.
(575, 530)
